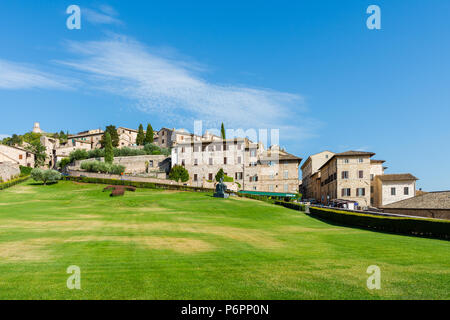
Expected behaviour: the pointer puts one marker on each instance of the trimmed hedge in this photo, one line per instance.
(137, 184)
(13, 182)
(291, 205)
(411, 226)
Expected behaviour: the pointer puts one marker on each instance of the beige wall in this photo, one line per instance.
(310, 167)
(16, 155)
(388, 198)
(8, 171)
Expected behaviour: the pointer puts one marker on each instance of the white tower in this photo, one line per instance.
(37, 128)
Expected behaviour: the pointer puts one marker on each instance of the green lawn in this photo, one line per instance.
(180, 245)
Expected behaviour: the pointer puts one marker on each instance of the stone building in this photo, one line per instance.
(390, 188)
(354, 177)
(167, 138)
(250, 166)
(309, 168)
(16, 155)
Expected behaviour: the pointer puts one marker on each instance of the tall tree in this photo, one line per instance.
(222, 131)
(109, 153)
(114, 136)
(140, 136)
(40, 153)
(149, 134)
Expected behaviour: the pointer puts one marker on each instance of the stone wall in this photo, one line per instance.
(9, 171)
(157, 165)
(429, 213)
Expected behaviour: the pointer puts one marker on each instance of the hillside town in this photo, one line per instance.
(353, 180)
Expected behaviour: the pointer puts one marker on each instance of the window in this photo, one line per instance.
(361, 160)
(183, 163)
(195, 177)
(181, 138)
(271, 187)
(210, 161)
(225, 160)
(371, 189)
(346, 192)
(360, 192)
(253, 153)
(344, 174)
(239, 160)
(195, 162)
(286, 188)
(361, 174)
(239, 146)
(218, 147)
(238, 175)
(326, 156)
(150, 163)
(20, 157)
(182, 150)
(210, 176)
(210, 148)
(371, 177)
(162, 140)
(406, 191)
(286, 174)
(196, 149)
(346, 161)
(393, 192)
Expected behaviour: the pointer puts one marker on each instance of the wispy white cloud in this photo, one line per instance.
(3, 136)
(20, 76)
(174, 87)
(103, 15)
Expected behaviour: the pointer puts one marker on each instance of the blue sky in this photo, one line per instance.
(309, 68)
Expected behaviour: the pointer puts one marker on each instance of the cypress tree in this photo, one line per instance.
(222, 131)
(149, 134)
(140, 136)
(109, 154)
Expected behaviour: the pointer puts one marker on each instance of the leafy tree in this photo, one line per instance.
(220, 175)
(109, 154)
(179, 173)
(149, 134)
(40, 152)
(45, 176)
(140, 136)
(63, 163)
(79, 154)
(15, 140)
(222, 131)
(114, 136)
(32, 137)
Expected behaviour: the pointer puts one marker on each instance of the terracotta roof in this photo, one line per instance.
(431, 200)
(396, 177)
(377, 161)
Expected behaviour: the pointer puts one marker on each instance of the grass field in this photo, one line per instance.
(180, 245)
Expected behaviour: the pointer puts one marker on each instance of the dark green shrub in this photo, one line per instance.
(179, 173)
(10, 183)
(411, 226)
(102, 167)
(137, 184)
(25, 171)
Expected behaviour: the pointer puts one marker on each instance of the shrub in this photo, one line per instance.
(410, 226)
(118, 190)
(102, 167)
(45, 176)
(219, 175)
(179, 173)
(63, 163)
(137, 184)
(79, 154)
(25, 171)
(13, 182)
(109, 153)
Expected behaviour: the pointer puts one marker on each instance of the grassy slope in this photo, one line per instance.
(180, 245)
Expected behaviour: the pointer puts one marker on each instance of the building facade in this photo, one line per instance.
(251, 167)
(309, 168)
(16, 155)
